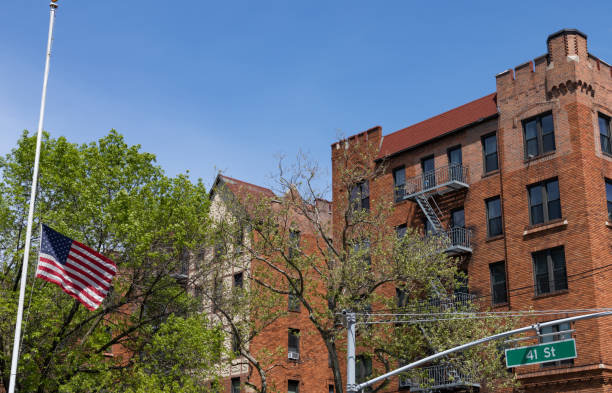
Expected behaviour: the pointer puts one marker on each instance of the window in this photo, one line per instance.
(238, 280)
(198, 293)
(331, 389)
(217, 293)
(294, 340)
(238, 239)
(489, 150)
(293, 386)
(360, 196)
(363, 368)
(219, 251)
(429, 172)
(399, 183)
(544, 202)
(454, 155)
(293, 301)
(548, 337)
(401, 297)
(235, 385)
(184, 261)
(458, 218)
(362, 250)
(494, 220)
(609, 198)
(294, 243)
(604, 134)
(455, 162)
(401, 230)
(462, 285)
(499, 292)
(549, 268)
(539, 135)
(235, 343)
(457, 223)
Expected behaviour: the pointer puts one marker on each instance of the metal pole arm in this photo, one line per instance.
(460, 348)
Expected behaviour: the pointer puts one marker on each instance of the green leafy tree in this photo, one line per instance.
(356, 263)
(112, 197)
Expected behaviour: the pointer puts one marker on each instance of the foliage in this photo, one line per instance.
(355, 264)
(113, 198)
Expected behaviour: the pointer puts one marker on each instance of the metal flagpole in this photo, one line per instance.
(26, 254)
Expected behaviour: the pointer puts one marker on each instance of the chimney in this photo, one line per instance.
(567, 45)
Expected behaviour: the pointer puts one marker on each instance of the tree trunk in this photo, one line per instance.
(333, 356)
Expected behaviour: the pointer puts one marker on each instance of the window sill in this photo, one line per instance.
(609, 224)
(492, 173)
(530, 230)
(500, 305)
(606, 154)
(551, 294)
(493, 238)
(539, 156)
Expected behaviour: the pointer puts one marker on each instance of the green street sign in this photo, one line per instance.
(541, 353)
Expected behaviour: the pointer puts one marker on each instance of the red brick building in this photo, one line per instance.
(521, 181)
(290, 349)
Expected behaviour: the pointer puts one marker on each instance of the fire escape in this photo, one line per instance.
(455, 241)
(422, 189)
(440, 378)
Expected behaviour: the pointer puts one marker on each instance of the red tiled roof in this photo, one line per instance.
(240, 187)
(439, 125)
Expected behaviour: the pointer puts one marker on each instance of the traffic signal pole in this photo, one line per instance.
(352, 387)
(351, 320)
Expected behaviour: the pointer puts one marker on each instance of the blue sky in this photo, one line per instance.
(232, 85)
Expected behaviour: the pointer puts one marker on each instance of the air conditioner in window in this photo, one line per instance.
(293, 355)
(405, 382)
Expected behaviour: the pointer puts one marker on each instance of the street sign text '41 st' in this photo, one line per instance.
(541, 353)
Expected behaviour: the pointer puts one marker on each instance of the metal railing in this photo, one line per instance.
(451, 239)
(441, 177)
(460, 237)
(458, 301)
(438, 377)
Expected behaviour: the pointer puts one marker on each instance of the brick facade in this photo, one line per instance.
(575, 87)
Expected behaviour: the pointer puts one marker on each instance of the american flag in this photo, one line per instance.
(80, 271)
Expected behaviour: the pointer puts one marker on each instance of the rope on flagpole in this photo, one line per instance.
(27, 316)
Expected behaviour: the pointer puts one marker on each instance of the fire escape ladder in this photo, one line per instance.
(430, 212)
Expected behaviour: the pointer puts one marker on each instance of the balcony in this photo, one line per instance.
(459, 241)
(181, 272)
(458, 301)
(454, 241)
(441, 180)
(441, 377)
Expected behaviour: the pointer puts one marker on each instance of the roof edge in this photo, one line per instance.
(481, 120)
(566, 31)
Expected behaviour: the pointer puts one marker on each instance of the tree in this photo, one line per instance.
(357, 263)
(244, 308)
(113, 198)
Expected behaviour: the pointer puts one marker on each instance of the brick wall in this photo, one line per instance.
(574, 86)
